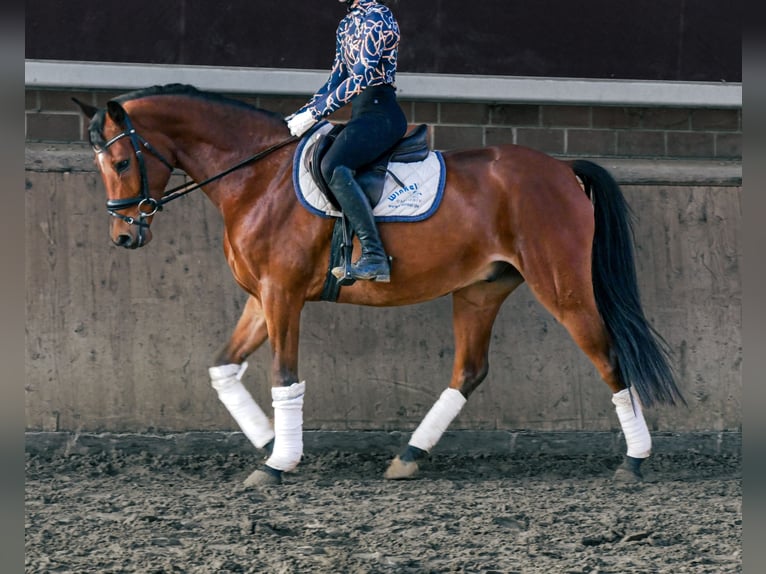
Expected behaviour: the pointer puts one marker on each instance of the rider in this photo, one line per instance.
(363, 73)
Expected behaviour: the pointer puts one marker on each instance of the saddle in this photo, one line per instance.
(413, 147)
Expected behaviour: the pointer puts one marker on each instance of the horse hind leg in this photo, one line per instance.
(474, 309)
(226, 376)
(588, 331)
(570, 299)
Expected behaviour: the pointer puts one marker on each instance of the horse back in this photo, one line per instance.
(514, 176)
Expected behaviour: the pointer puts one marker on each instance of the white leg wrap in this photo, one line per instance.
(227, 381)
(633, 424)
(288, 426)
(438, 419)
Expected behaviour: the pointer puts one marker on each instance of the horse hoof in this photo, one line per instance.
(401, 470)
(629, 472)
(262, 477)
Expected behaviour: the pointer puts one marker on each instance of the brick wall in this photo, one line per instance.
(575, 131)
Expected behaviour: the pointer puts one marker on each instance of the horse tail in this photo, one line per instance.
(640, 353)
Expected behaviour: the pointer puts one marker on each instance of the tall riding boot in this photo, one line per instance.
(373, 264)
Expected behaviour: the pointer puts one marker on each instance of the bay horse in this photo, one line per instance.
(509, 214)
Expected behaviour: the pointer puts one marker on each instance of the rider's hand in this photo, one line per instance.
(299, 123)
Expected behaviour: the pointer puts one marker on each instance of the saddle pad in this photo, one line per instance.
(417, 200)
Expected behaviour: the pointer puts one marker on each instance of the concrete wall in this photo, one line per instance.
(121, 341)
(670, 132)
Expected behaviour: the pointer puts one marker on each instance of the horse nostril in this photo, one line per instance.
(123, 240)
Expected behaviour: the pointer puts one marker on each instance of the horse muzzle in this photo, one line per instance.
(132, 237)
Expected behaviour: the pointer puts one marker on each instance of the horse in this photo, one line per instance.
(509, 215)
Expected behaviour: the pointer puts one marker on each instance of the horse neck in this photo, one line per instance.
(210, 137)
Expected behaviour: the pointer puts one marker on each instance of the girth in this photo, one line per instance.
(413, 147)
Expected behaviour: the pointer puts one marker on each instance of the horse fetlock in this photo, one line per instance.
(288, 426)
(413, 454)
(285, 458)
(436, 421)
(637, 437)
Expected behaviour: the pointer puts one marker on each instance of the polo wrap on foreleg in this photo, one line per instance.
(438, 419)
(633, 425)
(227, 381)
(288, 426)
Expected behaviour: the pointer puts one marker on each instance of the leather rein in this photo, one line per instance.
(147, 205)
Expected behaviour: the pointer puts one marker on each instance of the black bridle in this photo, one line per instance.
(147, 205)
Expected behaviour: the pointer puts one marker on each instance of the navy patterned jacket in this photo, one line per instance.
(366, 47)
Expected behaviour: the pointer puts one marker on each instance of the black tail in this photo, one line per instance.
(642, 355)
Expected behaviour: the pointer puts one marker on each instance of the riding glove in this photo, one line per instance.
(299, 123)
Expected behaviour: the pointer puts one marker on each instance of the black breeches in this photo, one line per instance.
(377, 123)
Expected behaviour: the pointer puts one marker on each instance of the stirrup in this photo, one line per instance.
(346, 274)
(346, 277)
(343, 274)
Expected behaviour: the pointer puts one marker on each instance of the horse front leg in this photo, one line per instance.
(474, 310)
(283, 313)
(226, 376)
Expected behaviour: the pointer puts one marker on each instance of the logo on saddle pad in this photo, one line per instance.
(412, 193)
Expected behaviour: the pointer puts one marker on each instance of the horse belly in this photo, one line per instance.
(427, 265)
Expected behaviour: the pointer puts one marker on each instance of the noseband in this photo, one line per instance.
(145, 200)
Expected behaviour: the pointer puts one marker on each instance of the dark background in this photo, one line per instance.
(689, 40)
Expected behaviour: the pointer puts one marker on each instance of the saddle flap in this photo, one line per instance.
(314, 157)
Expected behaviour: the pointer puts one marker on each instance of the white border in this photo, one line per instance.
(435, 87)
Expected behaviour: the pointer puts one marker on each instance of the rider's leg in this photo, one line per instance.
(377, 122)
(373, 264)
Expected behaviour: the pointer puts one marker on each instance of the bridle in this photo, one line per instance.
(147, 205)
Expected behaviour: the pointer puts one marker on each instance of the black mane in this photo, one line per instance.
(96, 126)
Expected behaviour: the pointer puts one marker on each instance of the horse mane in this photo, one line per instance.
(96, 126)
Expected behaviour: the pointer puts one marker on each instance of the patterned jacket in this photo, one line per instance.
(366, 47)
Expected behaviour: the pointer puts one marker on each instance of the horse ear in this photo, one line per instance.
(116, 112)
(87, 109)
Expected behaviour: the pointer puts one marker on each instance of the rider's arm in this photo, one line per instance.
(363, 71)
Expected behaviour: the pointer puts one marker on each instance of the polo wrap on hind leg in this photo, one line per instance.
(438, 419)
(288, 426)
(227, 381)
(633, 425)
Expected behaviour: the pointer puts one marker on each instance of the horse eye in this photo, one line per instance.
(121, 165)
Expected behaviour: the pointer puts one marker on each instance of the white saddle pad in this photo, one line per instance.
(418, 199)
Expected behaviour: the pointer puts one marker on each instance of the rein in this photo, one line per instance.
(145, 199)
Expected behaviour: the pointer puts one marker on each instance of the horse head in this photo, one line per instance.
(134, 180)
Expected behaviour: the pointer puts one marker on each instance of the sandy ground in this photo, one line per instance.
(491, 514)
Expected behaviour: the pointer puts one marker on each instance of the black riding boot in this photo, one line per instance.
(373, 264)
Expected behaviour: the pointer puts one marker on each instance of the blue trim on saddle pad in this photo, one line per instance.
(322, 207)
